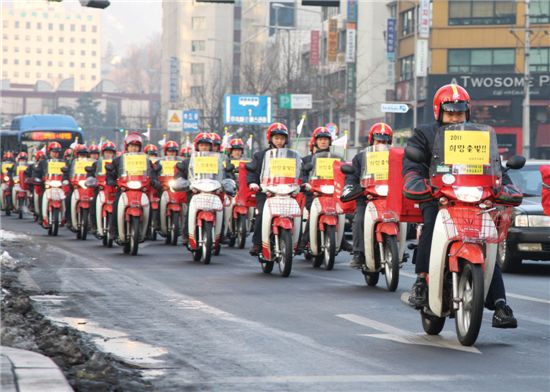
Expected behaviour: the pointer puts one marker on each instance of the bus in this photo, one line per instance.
(34, 131)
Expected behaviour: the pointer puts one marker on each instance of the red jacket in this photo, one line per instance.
(545, 173)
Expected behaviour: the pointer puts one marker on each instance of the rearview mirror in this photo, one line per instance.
(347, 169)
(415, 155)
(516, 162)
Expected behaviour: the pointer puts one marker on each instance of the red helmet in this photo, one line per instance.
(451, 98)
(321, 132)
(380, 131)
(236, 144)
(80, 149)
(203, 137)
(311, 144)
(94, 149)
(216, 139)
(68, 153)
(8, 156)
(170, 146)
(39, 155)
(185, 152)
(276, 129)
(151, 149)
(108, 146)
(133, 138)
(22, 155)
(54, 146)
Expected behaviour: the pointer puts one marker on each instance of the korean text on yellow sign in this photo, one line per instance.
(80, 167)
(467, 148)
(6, 167)
(168, 168)
(324, 168)
(104, 163)
(135, 165)
(205, 165)
(282, 167)
(55, 167)
(378, 164)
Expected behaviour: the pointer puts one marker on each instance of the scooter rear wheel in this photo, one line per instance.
(206, 252)
(371, 278)
(84, 224)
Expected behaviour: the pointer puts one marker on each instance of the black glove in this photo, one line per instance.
(509, 194)
(416, 187)
(351, 192)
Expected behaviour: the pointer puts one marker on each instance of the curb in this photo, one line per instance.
(27, 371)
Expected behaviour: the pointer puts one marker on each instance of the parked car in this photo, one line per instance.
(529, 233)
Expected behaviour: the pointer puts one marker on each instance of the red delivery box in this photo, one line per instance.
(339, 183)
(545, 173)
(407, 210)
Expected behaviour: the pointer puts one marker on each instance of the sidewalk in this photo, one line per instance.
(27, 371)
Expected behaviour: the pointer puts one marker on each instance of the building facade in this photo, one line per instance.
(51, 43)
(480, 45)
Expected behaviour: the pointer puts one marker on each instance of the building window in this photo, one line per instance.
(71, 64)
(27, 50)
(197, 46)
(38, 50)
(539, 11)
(27, 74)
(197, 69)
(60, 63)
(16, 49)
(5, 24)
(50, 63)
(50, 76)
(94, 41)
(61, 51)
(5, 61)
(38, 75)
(16, 37)
(60, 76)
(73, 27)
(28, 25)
(5, 49)
(27, 62)
(539, 60)
(82, 41)
(72, 40)
(94, 77)
(39, 38)
(406, 66)
(476, 12)
(50, 39)
(61, 39)
(407, 22)
(38, 62)
(82, 65)
(50, 26)
(83, 28)
(82, 77)
(94, 29)
(16, 24)
(198, 23)
(196, 91)
(93, 52)
(27, 38)
(83, 53)
(16, 74)
(481, 60)
(16, 62)
(39, 26)
(94, 65)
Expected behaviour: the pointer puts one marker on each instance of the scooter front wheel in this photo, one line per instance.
(285, 247)
(242, 232)
(432, 325)
(84, 223)
(371, 278)
(329, 248)
(470, 309)
(175, 229)
(391, 266)
(20, 204)
(206, 251)
(134, 235)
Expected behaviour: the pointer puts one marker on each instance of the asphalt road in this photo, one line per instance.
(228, 326)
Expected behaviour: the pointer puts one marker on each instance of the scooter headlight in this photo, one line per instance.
(327, 189)
(134, 184)
(382, 190)
(54, 184)
(6, 178)
(468, 194)
(82, 184)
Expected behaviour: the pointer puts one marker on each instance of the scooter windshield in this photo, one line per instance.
(322, 166)
(133, 164)
(465, 155)
(101, 170)
(375, 168)
(78, 167)
(6, 166)
(168, 165)
(206, 165)
(54, 167)
(281, 171)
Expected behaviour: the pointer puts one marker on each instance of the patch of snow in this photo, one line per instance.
(10, 236)
(6, 260)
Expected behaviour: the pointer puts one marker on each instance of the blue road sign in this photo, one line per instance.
(191, 121)
(247, 109)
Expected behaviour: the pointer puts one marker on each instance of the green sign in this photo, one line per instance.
(285, 101)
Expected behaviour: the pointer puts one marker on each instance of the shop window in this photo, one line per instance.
(539, 11)
(481, 60)
(407, 22)
(198, 46)
(406, 67)
(197, 69)
(494, 115)
(539, 60)
(477, 12)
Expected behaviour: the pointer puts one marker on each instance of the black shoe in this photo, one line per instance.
(357, 261)
(254, 250)
(419, 294)
(346, 246)
(504, 317)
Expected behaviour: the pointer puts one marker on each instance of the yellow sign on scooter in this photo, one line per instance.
(205, 165)
(55, 167)
(104, 163)
(378, 164)
(79, 167)
(168, 167)
(467, 148)
(135, 165)
(282, 167)
(21, 168)
(324, 168)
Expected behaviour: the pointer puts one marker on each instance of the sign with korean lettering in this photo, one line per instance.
(332, 52)
(6, 167)
(351, 35)
(282, 167)
(135, 165)
(79, 168)
(390, 38)
(314, 48)
(54, 167)
(378, 164)
(352, 10)
(168, 167)
(467, 148)
(247, 109)
(424, 19)
(324, 168)
(191, 121)
(205, 165)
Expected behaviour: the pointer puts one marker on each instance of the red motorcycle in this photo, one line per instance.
(82, 196)
(465, 175)
(280, 180)
(7, 186)
(173, 204)
(240, 211)
(20, 191)
(105, 200)
(53, 197)
(326, 219)
(133, 205)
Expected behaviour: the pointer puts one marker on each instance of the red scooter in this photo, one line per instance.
(105, 199)
(82, 196)
(53, 197)
(173, 204)
(20, 191)
(7, 186)
(241, 210)
(133, 205)
(465, 174)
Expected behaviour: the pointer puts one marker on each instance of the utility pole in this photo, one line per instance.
(526, 124)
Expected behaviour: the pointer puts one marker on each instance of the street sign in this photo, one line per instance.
(175, 122)
(394, 107)
(295, 101)
(247, 109)
(191, 121)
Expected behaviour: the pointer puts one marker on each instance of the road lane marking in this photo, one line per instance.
(528, 298)
(402, 336)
